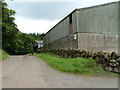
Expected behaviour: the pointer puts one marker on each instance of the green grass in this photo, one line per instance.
(81, 66)
(3, 55)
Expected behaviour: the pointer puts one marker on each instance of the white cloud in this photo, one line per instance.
(42, 20)
(34, 26)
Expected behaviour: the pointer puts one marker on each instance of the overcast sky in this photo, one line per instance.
(40, 17)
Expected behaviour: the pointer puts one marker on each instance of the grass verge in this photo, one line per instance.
(3, 55)
(79, 65)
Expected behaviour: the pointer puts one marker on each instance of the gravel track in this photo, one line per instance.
(25, 71)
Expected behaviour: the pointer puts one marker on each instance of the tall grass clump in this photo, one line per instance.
(3, 55)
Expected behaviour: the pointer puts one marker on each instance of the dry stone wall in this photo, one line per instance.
(109, 61)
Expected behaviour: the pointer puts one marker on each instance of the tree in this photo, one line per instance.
(37, 36)
(24, 43)
(13, 41)
(9, 29)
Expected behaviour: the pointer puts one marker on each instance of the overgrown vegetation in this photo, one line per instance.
(3, 55)
(74, 65)
(14, 41)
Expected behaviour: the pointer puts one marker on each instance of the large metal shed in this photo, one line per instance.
(92, 28)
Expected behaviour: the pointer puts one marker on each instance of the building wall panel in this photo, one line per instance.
(98, 42)
(74, 22)
(67, 42)
(61, 30)
(99, 19)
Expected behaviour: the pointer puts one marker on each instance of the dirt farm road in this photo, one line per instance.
(24, 71)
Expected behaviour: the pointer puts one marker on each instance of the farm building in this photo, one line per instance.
(38, 43)
(92, 28)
